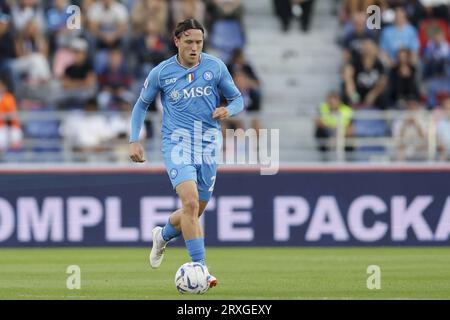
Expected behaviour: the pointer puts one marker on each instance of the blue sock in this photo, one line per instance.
(169, 232)
(196, 248)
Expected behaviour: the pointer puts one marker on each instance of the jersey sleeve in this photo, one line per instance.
(229, 90)
(226, 84)
(151, 87)
(148, 93)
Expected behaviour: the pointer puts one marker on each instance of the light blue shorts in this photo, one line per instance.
(203, 174)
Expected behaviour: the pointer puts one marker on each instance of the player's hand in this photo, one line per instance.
(221, 113)
(136, 152)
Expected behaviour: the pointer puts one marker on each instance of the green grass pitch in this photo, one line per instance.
(244, 273)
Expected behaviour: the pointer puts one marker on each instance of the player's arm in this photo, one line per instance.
(148, 94)
(231, 93)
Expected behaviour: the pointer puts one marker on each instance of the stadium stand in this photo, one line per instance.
(418, 79)
(285, 62)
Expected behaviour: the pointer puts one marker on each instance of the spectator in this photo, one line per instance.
(86, 32)
(330, 113)
(225, 9)
(443, 131)
(283, 9)
(87, 132)
(304, 9)
(436, 55)
(108, 20)
(400, 35)
(115, 82)
(7, 48)
(245, 85)
(25, 11)
(415, 12)
(365, 79)
(11, 136)
(108, 23)
(428, 29)
(403, 78)
(352, 7)
(151, 49)
(238, 64)
(225, 20)
(56, 24)
(62, 59)
(249, 86)
(63, 37)
(410, 133)
(86, 6)
(119, 123)
(5, 7)
(187, 9)
(78, 82)
(286, 10)
(439, 86)
(437, 8)
(354, 41)
(156, 11)
(31, 70)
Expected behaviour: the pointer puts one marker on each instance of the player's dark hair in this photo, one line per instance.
(187, 25)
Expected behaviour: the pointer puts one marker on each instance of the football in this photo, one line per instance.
(191, 278)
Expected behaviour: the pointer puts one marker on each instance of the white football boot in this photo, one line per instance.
(158, 248)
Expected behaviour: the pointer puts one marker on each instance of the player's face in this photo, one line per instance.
(190, 45)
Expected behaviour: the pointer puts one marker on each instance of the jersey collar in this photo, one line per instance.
(199, 61)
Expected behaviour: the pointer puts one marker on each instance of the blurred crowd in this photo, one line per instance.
(94, 55)
(401, 62)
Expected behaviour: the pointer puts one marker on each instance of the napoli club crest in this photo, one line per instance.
(173, 173)
(208, 76)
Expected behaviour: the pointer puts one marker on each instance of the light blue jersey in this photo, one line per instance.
(189, 97)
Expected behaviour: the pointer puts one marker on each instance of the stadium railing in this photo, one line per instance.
(373, 139)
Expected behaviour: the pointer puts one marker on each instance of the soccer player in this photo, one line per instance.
(190, 84)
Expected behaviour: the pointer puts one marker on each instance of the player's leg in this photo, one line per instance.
(206, 179)
(161, 236)
(190, 223)
(172, 230)
(175, 220)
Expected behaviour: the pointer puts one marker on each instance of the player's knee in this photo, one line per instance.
(191, 207)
